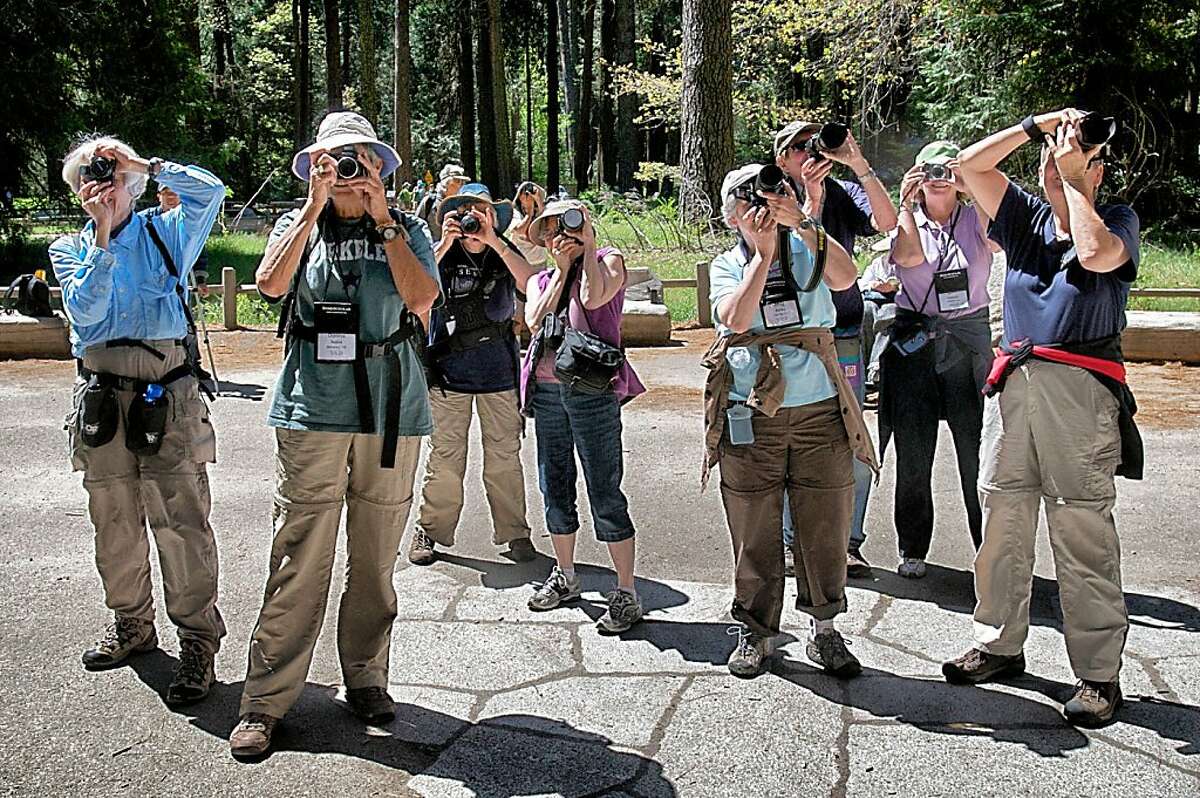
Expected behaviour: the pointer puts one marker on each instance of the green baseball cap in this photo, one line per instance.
(938, 152)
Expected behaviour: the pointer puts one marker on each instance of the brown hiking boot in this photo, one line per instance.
(856, 565)
(979, 666)
(1093, 704)
(372, 705)
(122, 638)
(252, 736)
(194, 677)
(420, 548)
(828, 649)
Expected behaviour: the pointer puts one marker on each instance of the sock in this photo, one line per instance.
(569, 573)
(631, 591)
(819, 626)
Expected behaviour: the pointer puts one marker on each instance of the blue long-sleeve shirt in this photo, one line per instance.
(126, 291)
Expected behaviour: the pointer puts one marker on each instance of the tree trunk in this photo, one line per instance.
(347, 37)
(706, 106)
(489, 160)
(466, 89)
(569, 42)
(333, 64)
(583, 143)
(302, 76)
(505, 167)
(552, 67)
(626, 132)
(606, 145)
(528, 112)
(222, 41)
(367, 77)
(401, 111)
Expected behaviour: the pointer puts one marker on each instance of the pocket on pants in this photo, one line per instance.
(195, 428)
(71, 425)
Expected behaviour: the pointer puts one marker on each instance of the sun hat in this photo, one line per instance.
(557, 208)
(453, 170)
(736, 177)
(342, 129)
(937, 152)
(784, 138)
(476, 192)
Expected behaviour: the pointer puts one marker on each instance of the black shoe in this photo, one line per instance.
(372, 705)
(1093, 704)
(123, 638)
(979, 666)
(856, 566)
(521, 550)
(194, 677)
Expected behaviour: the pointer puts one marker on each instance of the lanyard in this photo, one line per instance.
(943, 253)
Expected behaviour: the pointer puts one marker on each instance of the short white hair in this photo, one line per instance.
(83, 151)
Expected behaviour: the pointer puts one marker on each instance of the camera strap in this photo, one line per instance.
(193, 355)
(822, 255)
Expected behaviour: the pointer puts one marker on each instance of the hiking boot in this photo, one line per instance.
(122, 638)
(828, 650)
(252, 736)
(372, 705)
(1093, 704)
(911, 568)
(979, 666)
(194, 677)
(556, 589)
(420, 548)
(752, 651)
(856, 566)
(789, 561)
(521, 550)
(624, 610)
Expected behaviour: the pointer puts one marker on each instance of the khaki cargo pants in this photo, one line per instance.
(1051, 438)
(317, 473)
(503, 476)
(167, 490)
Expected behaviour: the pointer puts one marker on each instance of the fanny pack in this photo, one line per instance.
(582, 361)
(145, 419)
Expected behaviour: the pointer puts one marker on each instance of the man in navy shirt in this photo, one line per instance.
(1053, 433)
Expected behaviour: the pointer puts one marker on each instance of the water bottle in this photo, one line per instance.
(147, 420)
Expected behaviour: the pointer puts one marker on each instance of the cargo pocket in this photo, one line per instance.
(71, 425)
(196, 432)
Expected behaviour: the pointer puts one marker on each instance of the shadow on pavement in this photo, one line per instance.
(501, 756)
(242, 390)
(954, 590)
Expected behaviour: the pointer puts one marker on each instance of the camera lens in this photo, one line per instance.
(469, 223)
(572, 219)
(1095, 130)
(770, 180)
(937, 171)
(100, 169)
(348, 167)
(831, 136)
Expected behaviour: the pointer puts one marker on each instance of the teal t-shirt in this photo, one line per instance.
(807, 380)
(320, 396)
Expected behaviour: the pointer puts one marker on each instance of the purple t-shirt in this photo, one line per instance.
(960, 244)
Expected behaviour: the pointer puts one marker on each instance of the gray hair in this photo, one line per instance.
(82, 152)
(729, 211)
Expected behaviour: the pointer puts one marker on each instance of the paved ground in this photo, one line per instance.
(496, 701)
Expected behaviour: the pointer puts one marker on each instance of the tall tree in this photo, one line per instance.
(506, 169)
(583, 141)
(367, 88)
(489, 156)
(626, 155)
(706, 105)
(466, 88)
(401, 105)
(333, 61)
(302, 76)
(528, 112)
(347, 11)
(552, 67)
(606, 162)
(569, 44)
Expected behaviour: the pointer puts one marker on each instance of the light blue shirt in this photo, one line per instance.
(125, 291)
(807, 380)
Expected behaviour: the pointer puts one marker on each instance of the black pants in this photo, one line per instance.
(921, 398)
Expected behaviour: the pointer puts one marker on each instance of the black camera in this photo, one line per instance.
(770, 180)
(1095, 130)
(469, 223)
(348, 165)
(571, 220)
(938, 171)
(528, 187)
(99, 170)
(831, 136)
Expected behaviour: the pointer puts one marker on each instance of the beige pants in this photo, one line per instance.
(168, 490)
(1052, 436)
(316, 473)
(503, 477)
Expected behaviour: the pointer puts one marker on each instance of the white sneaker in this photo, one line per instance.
(911, 568)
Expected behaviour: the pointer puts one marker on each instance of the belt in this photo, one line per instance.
(130, 383)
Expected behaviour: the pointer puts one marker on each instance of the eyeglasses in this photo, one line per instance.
(798, 146)
(745, 191)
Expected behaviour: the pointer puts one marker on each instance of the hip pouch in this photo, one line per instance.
(98, 412)
(147, 420)
(586, 363)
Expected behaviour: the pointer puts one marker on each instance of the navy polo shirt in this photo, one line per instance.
(845, 215)
(1049, 298)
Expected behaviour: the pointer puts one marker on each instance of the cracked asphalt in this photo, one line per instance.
(497, 701)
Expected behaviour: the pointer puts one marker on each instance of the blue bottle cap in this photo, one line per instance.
(153, 392)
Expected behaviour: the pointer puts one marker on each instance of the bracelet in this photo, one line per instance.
(1030, 126)
(154, 167)
(869, 173)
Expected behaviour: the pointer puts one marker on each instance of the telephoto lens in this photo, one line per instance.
(831, 136)
(99, 169)
(469, 223)
(348, 165)
(770, 180)
(1095, 130)
(572, 219)
(938, 171)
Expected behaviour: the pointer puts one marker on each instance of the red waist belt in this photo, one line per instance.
(1010, 356)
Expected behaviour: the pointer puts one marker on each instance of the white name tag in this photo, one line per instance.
(338, 347)
(781, 314)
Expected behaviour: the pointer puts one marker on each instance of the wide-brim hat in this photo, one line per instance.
(937, 152)
(344, 129)
(478, 192)
(537, 227)
(785, 137)
(453, 170)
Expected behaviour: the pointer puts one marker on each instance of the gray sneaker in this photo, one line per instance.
(752, 650)
(555, 590)
(624, 610)
(828, 650)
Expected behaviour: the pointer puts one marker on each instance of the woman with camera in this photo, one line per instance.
(472, 361)
(573, 382)
(781, 415)
(940, 349)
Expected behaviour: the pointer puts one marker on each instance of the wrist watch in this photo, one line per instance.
(806, 224)
(869, 173)
(390, 232)
(154, 167)
(1030, 126)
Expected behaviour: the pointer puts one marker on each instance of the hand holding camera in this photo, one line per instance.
(771, 189)
(762, 231)
(321, 177)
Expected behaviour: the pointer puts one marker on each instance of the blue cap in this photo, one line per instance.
(153, 393)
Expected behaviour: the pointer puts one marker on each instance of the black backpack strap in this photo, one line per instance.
(174, 272)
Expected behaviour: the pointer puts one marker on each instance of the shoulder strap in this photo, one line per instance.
(174, 272)
(565, 299)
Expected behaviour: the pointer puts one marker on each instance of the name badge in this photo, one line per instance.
(781, 313)
(336, 324)
(953, 290)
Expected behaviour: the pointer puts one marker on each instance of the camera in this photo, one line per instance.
(1095, 130)
(831, 136)
(469, 223)
(527, 187)
(938, 171)
(571, 220)
(348, 165)
(99, 170)
(770, 180)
